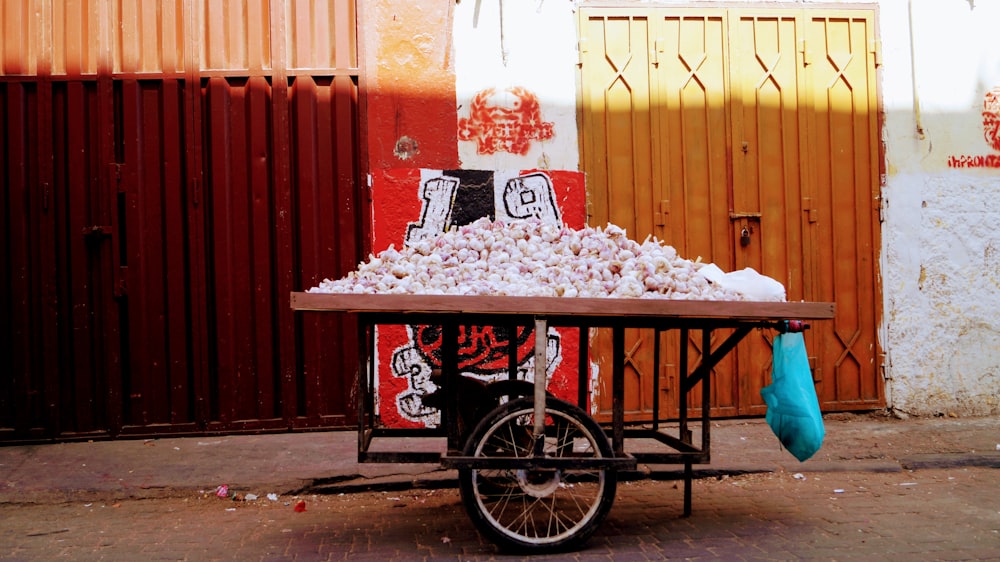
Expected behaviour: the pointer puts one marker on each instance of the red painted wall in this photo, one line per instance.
(410, 84)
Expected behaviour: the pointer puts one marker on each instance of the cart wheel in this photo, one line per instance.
(538, 511)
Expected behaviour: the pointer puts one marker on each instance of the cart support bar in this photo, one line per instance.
(711, 358)
(541, 345)
(540, 463)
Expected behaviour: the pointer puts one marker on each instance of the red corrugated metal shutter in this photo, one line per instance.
(171, 172)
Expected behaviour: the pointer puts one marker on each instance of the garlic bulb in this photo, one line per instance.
(532, 258)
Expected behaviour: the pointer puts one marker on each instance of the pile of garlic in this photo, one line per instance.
(532, 258)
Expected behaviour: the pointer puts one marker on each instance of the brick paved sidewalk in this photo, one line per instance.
(287, 463)
(880, 488)
(927, 514)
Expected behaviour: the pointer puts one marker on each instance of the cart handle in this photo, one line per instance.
(785, 326)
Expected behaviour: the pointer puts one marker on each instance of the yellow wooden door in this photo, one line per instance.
(698, 127)
(842, 204)
(624, 148)
(656, 151)
(768, 175)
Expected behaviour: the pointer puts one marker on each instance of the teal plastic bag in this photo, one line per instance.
(792, 407)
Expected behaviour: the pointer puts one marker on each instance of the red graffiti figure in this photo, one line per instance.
(991, 117)
(505, 122)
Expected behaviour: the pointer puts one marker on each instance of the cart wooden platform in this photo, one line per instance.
(536, 473)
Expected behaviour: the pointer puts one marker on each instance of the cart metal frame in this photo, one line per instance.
(450, 312)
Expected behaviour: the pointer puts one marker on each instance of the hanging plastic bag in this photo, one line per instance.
(792, 407)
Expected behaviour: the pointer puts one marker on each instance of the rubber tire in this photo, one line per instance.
(473, 488)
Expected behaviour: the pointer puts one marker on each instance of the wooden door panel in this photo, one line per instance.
(672, 184)
(691, 112)
(617, 95)
(620, 156)
(767, 175)
(843, 98)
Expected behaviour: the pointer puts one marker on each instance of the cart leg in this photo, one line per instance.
(583, 370)
(365, 384)
(541, 347)
(688, 477)
(618, 391)
(685, 433)
(449, 375)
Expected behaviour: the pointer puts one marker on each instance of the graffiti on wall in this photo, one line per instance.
(506, 121)
(991, 118)
(412, 205)
(991, 133)
(464, 196)
(453, 199)
(482, 355)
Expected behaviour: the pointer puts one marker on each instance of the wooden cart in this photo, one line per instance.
(536, 473)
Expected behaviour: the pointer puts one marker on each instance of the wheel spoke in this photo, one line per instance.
(506, 442)
(523, 520)
(555, 519)
(502, 502)
(576, 496)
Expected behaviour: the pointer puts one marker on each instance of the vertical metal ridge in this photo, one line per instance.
(285, 217)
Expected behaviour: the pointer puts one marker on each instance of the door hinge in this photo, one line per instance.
(581, 48)
(121, 287)
(810, 211)
(657, 49)
(875, 48)
(817, 372)
(661, 214)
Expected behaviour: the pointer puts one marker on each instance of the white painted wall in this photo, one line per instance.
(941, 242)
(533, 48)
(940, 258)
